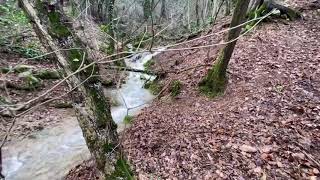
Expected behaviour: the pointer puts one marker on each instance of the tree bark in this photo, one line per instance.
(215, 82)
(163, 13)
(92, 107)
(228, 7)
(197, 13)
(147, 8)
(110, 24)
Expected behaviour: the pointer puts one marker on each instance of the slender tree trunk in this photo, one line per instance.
(217, 13)
(110, 24)
(163, 13)
(214, 9)
(146, 9)
(215, 81)
(188, 14)
(197, 13)
(228, 7)
(91, 106)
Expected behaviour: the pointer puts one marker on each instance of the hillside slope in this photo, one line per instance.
(266, 125)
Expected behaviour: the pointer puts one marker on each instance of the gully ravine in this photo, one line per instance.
(52, 152)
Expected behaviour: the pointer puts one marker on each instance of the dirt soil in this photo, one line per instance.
(266, 125)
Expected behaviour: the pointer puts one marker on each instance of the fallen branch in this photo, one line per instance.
(136, 70)
(155, 73)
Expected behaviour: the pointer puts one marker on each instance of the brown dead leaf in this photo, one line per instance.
(248, 149)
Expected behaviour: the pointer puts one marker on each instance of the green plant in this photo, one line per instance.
(128, 119)
(255, 13)
(147, 65)
(153, 86)
(11, 16)
(22, 68)
(175, 88)
(122, 170)
(14, 26)
(32, 81)
(139, 41)
(49, 74)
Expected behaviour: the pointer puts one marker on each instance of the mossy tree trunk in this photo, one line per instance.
(92, 108)
(258, 8)
(215, 81)
(147, 9)
(110, 25)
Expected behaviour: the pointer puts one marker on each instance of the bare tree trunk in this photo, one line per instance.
(214, 9)
(188, 14)
(205, 8)
(217, 13)
(147, 8)
(163, 13)
(92, 108)
(215, 81)
(228, 7)
(197, 13)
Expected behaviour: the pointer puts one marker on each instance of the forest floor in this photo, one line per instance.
(266, 125)
(44, 116)
(40, 117)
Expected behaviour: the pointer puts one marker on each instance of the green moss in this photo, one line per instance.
(41, 9)
(108, 83)
(63, 105)
(57, 28)
(75, 58)
(100, 103)
(255, 13)
(175, 88)
(140, 40)
(91, 141)
(120, 63)
(153, 86)
(122, 171)
(147, 65)
(213, 84)
(128, 119)
(31, 81)
(22, 68)
(293, 14)
(48, 74)
(5, 70)
(108, 147)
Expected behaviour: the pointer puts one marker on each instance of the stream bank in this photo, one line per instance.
(266, 124)
(52, 152)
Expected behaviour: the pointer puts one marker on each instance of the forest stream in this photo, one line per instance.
(52, 152)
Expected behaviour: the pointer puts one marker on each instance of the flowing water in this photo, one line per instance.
(51, 153)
